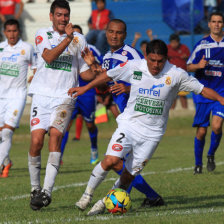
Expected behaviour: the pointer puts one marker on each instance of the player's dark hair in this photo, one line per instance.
(77, 27)
(59, 4)
(143, 42)
(118, 21)
(215, 14)
(10, 22)
(174, 37)
(157, 47)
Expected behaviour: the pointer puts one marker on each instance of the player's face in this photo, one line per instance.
(60, 19)
(155, 63)
(12, 34)
(174, 44)
(116, 35)
(216, 25)
(100, 5)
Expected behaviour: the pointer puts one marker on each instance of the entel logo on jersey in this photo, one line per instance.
(117, 147)
(151, 91)
(12, 58)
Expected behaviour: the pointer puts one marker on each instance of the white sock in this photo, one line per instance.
(34, 164)
(6, 144)
(6, 161)
(51, 171)
(97, 176)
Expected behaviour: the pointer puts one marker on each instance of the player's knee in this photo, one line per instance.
(216, 128)
(36, 144)
(201, 133)
(110, 162)
(119, 166)
(7, 134)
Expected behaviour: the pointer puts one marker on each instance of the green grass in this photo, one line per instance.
(189, 198)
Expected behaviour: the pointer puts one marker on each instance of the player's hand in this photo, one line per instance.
(137, 35)
(88, 57)
(202, 63)
(119, 88)
(69, 30)
(76, 91)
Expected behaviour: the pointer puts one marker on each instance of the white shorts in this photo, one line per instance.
(140, 150)
(11, 111)
(49, 112)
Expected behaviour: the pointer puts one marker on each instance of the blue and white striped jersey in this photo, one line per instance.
(111, 60)
(212, 75)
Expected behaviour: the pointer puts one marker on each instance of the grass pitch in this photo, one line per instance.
(189, 198)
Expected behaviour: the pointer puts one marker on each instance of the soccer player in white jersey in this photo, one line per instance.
(59, 62)
(15, 57)
(155, 84)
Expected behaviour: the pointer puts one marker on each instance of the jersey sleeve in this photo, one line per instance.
(41, 41)
(196, 55)
(189, 83)
(121, 72)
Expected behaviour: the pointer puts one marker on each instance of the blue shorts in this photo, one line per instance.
(86, 106)
(203, 111)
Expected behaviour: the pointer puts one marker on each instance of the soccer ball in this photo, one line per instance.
(117, 201)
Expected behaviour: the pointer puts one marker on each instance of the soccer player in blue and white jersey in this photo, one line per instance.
(86, 106)
(119, 53)
(207, 61)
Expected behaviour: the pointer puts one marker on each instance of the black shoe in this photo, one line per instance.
(75, 139)
(197, 169)
(153, 202)
(33, 195)
(211, 163)
(40, 200)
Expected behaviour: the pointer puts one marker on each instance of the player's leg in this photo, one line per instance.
(13, 112)
(78, 127)
(113, 155)
(93, 133)
(201, 121)
(183, 101)
(216, 135)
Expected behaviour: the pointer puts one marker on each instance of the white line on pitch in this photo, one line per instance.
(176, 170)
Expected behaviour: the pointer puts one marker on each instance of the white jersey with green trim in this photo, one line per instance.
(151, 96)
(56, 78)
(14, 62)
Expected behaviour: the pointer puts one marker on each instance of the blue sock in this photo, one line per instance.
(198, 151)
(63, 142)
(93, 138)
(215, 140)
(140, 184)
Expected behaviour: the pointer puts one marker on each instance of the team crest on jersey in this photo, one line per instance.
(124, 53)
(38, 40)
(168, 80)
(75, 40)
(123, 64)
(1, 49)
(63, 114)
(137, 75)
(35, 121)
(23, 52)
(117, 147)
(49, 35)
(15, 112)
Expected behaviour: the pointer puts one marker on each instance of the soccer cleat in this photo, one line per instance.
(211, 163)
(75, 139)
(98, 208)
(34, 194)
(84, 201)
(5, 170)
(94, 157)
(39, 200)
(198, 169)
(153, 202)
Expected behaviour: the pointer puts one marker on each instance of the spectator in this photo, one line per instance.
(178, 54)
(97, 24)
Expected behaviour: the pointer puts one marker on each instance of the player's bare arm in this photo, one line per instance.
(119, 88)
(194, 67)
(102, 78)
(212, 95)
(49, 55)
